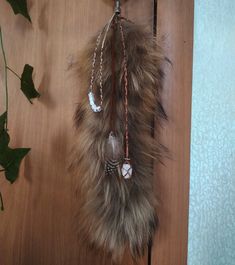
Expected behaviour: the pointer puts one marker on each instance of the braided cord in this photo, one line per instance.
(106, 29)
(94, 61)
(125, 90)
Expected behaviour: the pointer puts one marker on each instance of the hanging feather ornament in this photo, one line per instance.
(113, 153)
(112, 158)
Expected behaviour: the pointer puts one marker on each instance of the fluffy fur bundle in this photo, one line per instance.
(116, 213)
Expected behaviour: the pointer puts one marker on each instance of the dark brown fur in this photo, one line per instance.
(117, 214)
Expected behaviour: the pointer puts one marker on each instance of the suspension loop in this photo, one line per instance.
(117, 8)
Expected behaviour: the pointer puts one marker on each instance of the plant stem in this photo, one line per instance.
(1, 202)
(5, 70)
(13, 72)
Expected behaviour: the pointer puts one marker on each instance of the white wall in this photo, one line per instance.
(212, 191)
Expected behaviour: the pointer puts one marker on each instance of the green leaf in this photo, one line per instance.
(12, 161)
(3, 119)
(27, 85)
(20, 7)
(4, 141)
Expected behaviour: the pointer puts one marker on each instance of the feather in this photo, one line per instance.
(115, 213)
(113, 154)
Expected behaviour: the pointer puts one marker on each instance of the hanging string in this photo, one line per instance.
(113, 97)
(125, 91)
(98, 108)
(101, 57)
(94, 61)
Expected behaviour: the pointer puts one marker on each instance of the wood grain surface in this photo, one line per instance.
(175, 33)
(36, 227)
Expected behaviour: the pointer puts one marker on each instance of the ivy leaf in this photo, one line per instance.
(10, 159)
(3, 119)
(27, 85)
(4, 137)
(4, 141)
(20, 7)
(15, 156)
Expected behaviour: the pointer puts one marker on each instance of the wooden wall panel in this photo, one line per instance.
(175, 32)
(36, 227)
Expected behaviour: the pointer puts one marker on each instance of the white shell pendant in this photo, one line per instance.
(94, 107)
(127, 170)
